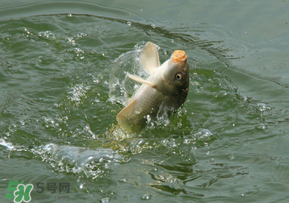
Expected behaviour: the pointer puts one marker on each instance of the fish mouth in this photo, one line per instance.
(179, 56)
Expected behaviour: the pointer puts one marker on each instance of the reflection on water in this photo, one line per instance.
(228, 143)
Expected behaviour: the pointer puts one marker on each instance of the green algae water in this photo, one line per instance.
(228, 143)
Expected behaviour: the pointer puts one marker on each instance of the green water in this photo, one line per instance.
(229, 142)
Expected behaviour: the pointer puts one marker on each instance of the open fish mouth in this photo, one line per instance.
(179, 56)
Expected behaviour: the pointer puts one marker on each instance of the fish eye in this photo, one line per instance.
(179, 76)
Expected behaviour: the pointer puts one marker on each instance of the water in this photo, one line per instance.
(229, 142)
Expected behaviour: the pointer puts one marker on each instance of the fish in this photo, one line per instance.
(164, 91)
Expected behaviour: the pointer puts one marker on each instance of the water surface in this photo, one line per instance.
(227, 144)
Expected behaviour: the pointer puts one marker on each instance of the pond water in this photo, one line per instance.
(228, 143)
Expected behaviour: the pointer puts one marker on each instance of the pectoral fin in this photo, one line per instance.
(149, 58)
(141, 80)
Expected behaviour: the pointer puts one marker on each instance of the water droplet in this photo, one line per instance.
(261, 126)
(71, 40)
(123, 180)
(262, 107)
(221, 94)
(46, 34)
(204, 135)
(146, 197)
(105, 200)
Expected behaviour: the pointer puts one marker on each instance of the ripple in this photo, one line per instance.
(102, 9)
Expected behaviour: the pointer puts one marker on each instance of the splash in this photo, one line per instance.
(78, 160)
(8, 145)
(121, 87)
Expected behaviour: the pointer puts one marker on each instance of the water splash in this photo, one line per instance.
(77, 92)
(120, 86)
(47, 34)
(78, 160)
(8, 145)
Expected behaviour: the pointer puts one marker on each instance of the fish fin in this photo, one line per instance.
(126, 110)
(149, 58)
(141, 80)
(123, 115)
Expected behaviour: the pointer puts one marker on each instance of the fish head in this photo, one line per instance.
(175, 75)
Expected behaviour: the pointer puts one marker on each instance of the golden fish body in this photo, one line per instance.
(165, 89)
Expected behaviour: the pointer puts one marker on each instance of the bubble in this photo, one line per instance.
(46, 34)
